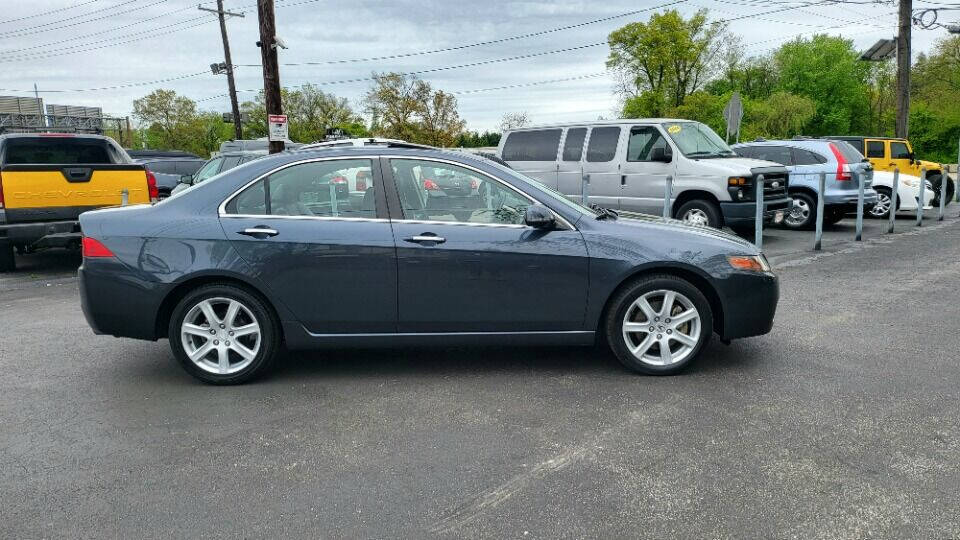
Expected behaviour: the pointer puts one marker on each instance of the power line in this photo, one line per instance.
(535, 83)
(477, 44)
(434, 70)
(41, 14)
(36, 29)
(114, 87)
(23, 31)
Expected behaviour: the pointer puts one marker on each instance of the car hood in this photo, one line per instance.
(735, 166)
(666, 226)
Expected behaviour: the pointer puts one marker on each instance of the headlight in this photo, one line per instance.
(749, 263)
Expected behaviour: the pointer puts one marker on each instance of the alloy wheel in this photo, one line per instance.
(696, 216)
(799, 213)
(220, 335)
(883, 205)
(661, 328)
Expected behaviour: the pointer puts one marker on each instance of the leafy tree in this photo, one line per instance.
(407, 108)
(310, 113)
(440, 121)
(167, 117)
(782, 115)
(514, 120)
(473, 139)
(665, 59)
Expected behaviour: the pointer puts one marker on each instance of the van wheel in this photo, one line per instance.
(700, 212)
(7, 262)
(658, 324)
(223, 334)
(803, 213)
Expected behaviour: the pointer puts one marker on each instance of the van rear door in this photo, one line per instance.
(534, 153)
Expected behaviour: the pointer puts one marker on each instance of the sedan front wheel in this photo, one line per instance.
(659, 324)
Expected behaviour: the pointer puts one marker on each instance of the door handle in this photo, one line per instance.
(257, 232)
(426, 237)
(623, 179)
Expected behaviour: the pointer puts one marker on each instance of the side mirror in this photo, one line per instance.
(186, 179)
(661, 155)
(539, 216)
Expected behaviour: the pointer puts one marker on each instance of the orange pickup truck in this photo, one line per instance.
(48, 179)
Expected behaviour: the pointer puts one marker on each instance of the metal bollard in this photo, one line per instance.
(667, 195)
(758, 219)
(944, 178)
(818, 235)
(893, 200)
(860, 177)
(923, 187)
(124, 197)
(585, 190)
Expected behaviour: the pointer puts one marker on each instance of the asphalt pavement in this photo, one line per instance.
(843, 422)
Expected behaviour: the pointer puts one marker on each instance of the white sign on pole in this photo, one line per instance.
(278, 127)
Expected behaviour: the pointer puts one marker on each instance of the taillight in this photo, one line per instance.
(338, 180)
(95, 248)
(1, 191)
(430, 185)
(152, 187)
(843, 168)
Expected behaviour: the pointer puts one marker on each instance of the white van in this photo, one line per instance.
(626, 162)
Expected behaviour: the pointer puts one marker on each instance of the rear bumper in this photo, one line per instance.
(744, 213)
(849, 201)
(125, 307)
(51, 233)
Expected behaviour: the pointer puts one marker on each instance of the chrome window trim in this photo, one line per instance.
(487, 175)
(316, 218)
(462, 223)
(222, 209)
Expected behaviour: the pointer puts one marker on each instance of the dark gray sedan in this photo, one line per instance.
(276, 253)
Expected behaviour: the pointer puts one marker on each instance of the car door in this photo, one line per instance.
(570, 166)
(902, 157)
(482, 270)
(602, 167)
(643, 180)
(330, 261)
(878, 154)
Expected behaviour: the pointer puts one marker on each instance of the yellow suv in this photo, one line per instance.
(888, 153)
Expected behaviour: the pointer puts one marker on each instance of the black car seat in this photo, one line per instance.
(285, 201)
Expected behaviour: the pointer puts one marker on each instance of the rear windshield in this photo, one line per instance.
(848, 152)
(57, 150)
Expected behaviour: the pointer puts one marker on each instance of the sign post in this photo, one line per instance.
(278, 127)
(733, 114)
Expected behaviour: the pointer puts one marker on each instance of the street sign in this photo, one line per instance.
(278, 127)
(733, 114)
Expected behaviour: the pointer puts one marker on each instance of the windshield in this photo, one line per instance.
(695, 140)
(548, 191)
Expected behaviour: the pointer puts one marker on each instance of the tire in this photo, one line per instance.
(700, 212)
(936, 179)
(625, 308)
(7, 261)
(881, 210)
(803, 213)
(249, 356)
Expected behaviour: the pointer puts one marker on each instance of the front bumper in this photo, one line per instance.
(749, 303)
(744, 213)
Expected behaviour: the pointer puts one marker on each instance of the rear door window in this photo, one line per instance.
(875, 149)
(538, 145)
(573, 145)
(603, 144)
(776, 154)
(806, 157)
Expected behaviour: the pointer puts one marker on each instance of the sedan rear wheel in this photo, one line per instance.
(659, 324)
(223, 334)
(882, 208)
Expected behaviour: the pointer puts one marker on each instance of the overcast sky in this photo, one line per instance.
(86, 44)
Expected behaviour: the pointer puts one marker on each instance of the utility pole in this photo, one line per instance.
(234, 106)
(903, 67)
(271, 69)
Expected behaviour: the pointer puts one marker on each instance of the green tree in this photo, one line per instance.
(167, 117)
(408, 108)
(662, 61)
(310, 112)
(827, 70)
(782, 115)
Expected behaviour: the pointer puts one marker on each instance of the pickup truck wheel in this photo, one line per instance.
(700, 212)
(223, 334)
(658, 324)
(7, 262)
(803, 213)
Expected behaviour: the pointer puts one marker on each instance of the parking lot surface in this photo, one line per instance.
(841, 423)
